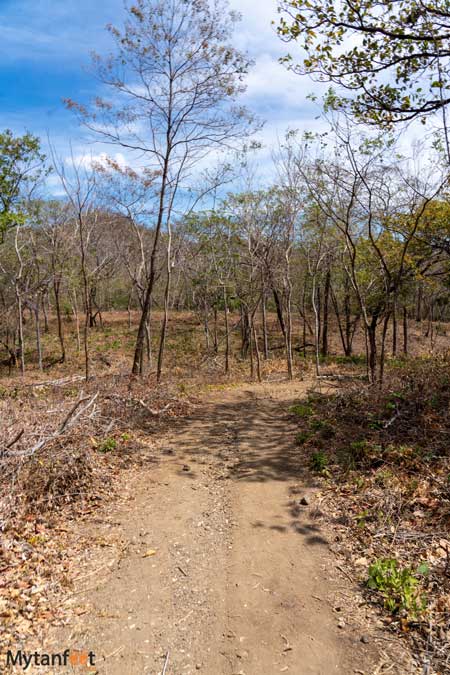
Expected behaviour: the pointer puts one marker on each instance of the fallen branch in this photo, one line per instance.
(72, 416)
(154, 412)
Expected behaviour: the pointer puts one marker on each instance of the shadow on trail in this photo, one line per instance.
(252, 439)
(249, 440)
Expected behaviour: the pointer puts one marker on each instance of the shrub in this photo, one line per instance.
(319, 461)
(399, 587)
(301, 410)
(301, 437)
(108, 445)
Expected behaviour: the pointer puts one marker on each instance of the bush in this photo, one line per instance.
(399, 587)
(319, 461)
(108, 445)
(301, 410)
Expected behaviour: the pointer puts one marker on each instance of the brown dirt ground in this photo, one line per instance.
(238, 578)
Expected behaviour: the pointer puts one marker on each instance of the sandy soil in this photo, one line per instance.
(221, 569)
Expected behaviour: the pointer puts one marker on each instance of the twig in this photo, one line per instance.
(57, 383)
(116, 651)
(154, 412)
(186, 616)
(163, 672)
(15, 439)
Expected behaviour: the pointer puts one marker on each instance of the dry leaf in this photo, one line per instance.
(150, 552)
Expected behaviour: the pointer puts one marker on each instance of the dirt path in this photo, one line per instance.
(241, 581)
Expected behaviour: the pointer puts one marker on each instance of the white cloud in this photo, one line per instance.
(89, 160)
(271, 82)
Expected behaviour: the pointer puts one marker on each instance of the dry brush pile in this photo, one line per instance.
(63, 446)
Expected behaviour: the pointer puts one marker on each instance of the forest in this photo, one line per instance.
(202, 304)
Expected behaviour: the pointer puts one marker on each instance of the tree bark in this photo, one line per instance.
(258, 358)
(139, 348)
(227, 331)
(264, 324)
(162, 342)
(394, 329)
(383, 350)
(405, 331)
(326, 295)
(279, 308)
(56, 290)
(37, 325)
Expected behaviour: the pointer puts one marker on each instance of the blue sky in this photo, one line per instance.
(44, 57)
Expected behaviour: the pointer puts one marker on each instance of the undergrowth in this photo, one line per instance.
(383, 458)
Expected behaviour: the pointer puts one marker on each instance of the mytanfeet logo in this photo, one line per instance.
(25, 660)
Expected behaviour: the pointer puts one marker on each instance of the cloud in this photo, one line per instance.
(272, 85)
(45, 47)
(90, 160)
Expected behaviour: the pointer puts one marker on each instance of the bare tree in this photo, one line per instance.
(178, 78)
(80, 184)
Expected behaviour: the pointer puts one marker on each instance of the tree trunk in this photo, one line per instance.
(139, 348)
(279, 308)
(216, 336)
(148, 338)
(258, 358)
(245, 332)
(87, 313)
(289, 334)
(45, 312)
(383, 350)
(162, 342)
(21, 338)
(348, 318)
(264, 324)
(77, 320)
(250, 343)
(372, 344)
(394, 329)
(316, 327)
(56, 289)
(227, 331)
(405, 331)
(37, 325)
(304, 319)
(326, 295)
(206, 326)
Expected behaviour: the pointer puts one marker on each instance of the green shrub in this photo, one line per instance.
(301, 410)
(319, 461)
(108, 445)
(399, 587)
(301, 437)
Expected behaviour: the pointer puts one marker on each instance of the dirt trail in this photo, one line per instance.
(241, 581)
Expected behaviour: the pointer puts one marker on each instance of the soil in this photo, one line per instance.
(214, 561)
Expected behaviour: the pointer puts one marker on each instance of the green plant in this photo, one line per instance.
(399, 587)
(301, 410)
(301, 437)
(108, 445)
(384, 478)
(354, 455)
(319, 461)
(361, 518)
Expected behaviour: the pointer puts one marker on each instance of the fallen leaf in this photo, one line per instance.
(150, 552)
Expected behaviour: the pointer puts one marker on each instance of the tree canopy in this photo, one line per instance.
(391, 55)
